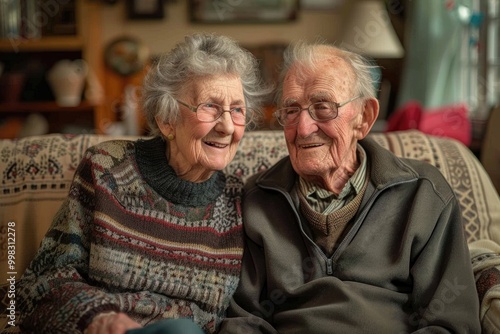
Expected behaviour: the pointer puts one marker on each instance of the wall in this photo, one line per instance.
(162, 35)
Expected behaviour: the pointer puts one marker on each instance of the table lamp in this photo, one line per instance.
(368, 31)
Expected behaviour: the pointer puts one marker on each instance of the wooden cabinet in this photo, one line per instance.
(31, 58)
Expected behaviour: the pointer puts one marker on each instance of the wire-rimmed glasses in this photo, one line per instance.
(319, 111)
(210, 112)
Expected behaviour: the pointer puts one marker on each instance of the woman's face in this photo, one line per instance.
(199, 148)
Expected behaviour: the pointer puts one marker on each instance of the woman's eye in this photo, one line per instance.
(238, 110)
(211, 106)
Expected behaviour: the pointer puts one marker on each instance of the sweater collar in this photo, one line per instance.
(159, 175)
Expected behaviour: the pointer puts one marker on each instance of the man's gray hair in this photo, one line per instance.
(309, 54)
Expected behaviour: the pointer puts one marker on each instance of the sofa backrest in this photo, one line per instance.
(36, 173)
(490, 150)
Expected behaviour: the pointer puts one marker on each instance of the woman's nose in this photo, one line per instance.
(225, 123)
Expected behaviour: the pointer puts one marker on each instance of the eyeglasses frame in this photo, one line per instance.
(276, 114)
(195, 110)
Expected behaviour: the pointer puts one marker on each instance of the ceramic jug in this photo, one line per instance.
(67, 80)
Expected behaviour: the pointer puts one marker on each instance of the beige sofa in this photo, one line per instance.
(36, 173)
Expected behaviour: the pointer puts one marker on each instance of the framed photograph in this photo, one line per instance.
(247, 11)
(63, 22)
(145, 9)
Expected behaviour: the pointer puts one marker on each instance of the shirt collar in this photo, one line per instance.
(353, 186)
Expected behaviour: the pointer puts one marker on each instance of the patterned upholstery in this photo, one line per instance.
(478, 199)
(36, 173)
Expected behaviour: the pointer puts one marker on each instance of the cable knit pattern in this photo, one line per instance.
(116, 245)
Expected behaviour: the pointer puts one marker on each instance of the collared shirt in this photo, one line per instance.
(326, 202)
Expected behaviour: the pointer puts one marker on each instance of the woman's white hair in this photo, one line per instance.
(197, 56)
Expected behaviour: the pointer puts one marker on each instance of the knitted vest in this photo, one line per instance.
(327, 229)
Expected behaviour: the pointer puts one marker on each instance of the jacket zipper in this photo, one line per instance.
(329, 261)
(357, 223)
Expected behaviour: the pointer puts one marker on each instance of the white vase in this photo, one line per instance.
(67, 80)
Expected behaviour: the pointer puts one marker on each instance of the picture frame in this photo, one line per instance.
(248, 11)
(145, 9)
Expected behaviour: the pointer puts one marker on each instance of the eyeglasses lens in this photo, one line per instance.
(209, 112)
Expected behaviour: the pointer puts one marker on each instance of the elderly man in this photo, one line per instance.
(342, 236)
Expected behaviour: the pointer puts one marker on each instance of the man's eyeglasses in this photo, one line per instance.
(210, 112)
(319, 111)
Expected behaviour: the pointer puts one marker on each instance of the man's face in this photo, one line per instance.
(318, 149)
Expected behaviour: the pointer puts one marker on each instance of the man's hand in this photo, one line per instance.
(111, 323)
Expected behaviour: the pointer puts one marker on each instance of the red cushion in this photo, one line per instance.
(406, 117)
(448, 121)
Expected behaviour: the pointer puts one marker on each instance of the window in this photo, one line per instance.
(481, 58)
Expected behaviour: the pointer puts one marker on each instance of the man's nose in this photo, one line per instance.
(306, 124)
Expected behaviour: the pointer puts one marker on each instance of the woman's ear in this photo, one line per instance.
(165, 128)
(369, 116)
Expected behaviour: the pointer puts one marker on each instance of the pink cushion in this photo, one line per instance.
(406, 117)
(447, 121)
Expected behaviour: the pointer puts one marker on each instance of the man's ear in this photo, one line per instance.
(370, 114)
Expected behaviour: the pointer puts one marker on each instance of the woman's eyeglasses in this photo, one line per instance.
(210, 112)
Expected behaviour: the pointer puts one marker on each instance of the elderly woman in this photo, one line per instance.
(152, 229)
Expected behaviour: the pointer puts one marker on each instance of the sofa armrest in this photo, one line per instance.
(485, 256)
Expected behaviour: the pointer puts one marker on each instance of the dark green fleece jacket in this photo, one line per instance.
(403, 267)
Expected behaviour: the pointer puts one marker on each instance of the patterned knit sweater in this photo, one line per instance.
(132, 237)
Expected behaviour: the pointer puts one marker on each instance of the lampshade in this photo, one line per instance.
(368, 31)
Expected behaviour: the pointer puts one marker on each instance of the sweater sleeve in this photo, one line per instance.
(54, 292)
(445, 299)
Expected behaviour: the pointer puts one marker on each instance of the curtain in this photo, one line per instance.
(432, 72)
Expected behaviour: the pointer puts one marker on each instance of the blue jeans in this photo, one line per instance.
(169, 326)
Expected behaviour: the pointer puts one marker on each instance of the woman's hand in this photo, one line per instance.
(111, 323)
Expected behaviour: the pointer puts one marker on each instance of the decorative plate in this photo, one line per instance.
(126, 55)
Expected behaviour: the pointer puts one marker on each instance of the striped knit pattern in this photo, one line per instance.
(117, 245)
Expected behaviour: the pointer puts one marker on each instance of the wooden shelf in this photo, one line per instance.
(48, 44)
(85, 43)
(43, 107)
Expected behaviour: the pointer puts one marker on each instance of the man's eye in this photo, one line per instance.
(290, 111)
(322, 106)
